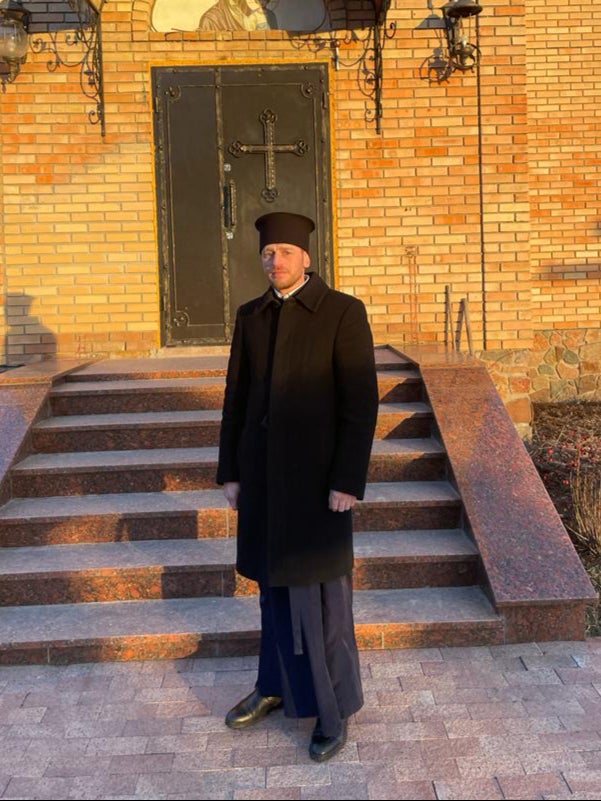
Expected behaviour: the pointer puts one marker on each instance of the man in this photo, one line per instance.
(299, 415)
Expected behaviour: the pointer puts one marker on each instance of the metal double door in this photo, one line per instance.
(233, 143)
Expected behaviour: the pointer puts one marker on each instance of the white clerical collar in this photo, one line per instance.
(279, 295)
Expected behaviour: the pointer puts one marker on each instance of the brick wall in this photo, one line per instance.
(564, 122)
(78, 231)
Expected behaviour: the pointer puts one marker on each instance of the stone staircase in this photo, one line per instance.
(116, 543)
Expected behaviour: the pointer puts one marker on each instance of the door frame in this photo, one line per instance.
(161, 192)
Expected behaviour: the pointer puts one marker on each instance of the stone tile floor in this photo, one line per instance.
(515, 722)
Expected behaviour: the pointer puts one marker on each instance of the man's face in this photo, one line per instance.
(285, 265)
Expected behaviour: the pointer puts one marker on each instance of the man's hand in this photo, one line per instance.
(340, 501)
(231, 490)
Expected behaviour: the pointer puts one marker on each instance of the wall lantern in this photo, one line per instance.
(463, 55)
(14, 40)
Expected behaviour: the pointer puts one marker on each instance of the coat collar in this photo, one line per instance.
(310, 296)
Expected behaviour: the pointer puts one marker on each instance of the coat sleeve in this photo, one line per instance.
(356, 401)
(234, 408)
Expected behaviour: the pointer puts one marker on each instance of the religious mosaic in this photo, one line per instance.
(240, 15)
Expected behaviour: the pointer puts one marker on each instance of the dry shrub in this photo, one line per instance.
(585, 488)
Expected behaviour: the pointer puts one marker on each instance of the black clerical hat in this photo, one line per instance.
(282, 227)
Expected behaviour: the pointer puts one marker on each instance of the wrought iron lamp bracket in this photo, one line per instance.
(81, 48)
(369, 62)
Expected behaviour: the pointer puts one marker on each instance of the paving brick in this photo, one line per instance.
(269, 793)
(205, 784)
(117, 745)
(189, 679)
(336, 790)
(497, 711)
(94, 787)
(312, 775)
(23, 716)
(209, 759)
(57, 715)
(141, 763)
(485, 766)
(264, 757)
(487, 788)
(578, 675)
(372, 714)
(175, 743)
(532, 786)
(440, 712)
(591, 758)
(42, 747)
(77, 766)
(409, 790)
(39, 788)
(542, 725)
(426, 769)
(583, 780)
(151, 726)
(533, 677)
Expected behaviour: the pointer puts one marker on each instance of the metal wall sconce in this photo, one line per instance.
(85, 43)
(14, 28)
(463, 54)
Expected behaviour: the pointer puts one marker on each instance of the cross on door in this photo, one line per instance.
(268, 119)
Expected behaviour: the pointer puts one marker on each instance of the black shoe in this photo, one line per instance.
(251, 709)
(323, 747)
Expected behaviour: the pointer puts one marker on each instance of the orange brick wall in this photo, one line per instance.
(564, 124)
(78, 233)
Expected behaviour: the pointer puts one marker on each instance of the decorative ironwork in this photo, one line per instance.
(369, 62)
(308, 89)
(268, 119)
(181, 318)
(81, 49)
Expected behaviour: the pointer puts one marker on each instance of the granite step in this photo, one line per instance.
(185, 429)
(57, 574)
(185, 365)
(159, 469)
(196, 514)
(165, 394)
(201, 366)
(180, 627)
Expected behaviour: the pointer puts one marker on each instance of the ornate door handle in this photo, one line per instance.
(229, 208)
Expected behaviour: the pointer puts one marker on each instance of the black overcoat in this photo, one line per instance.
(299, 415)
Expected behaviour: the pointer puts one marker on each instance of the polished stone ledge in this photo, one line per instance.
(527, 554)
(48, 371)
(434, 356)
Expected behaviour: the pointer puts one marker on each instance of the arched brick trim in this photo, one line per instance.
(140, 19)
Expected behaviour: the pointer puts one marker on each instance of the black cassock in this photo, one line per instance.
(321, 361)
(324, 680)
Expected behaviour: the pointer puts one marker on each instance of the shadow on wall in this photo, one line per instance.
(27, 339)
(568, 273)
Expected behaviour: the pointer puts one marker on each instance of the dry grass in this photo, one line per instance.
(585, 487)
(566, 449)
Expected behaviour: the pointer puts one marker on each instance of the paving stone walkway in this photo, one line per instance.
(514, 722)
